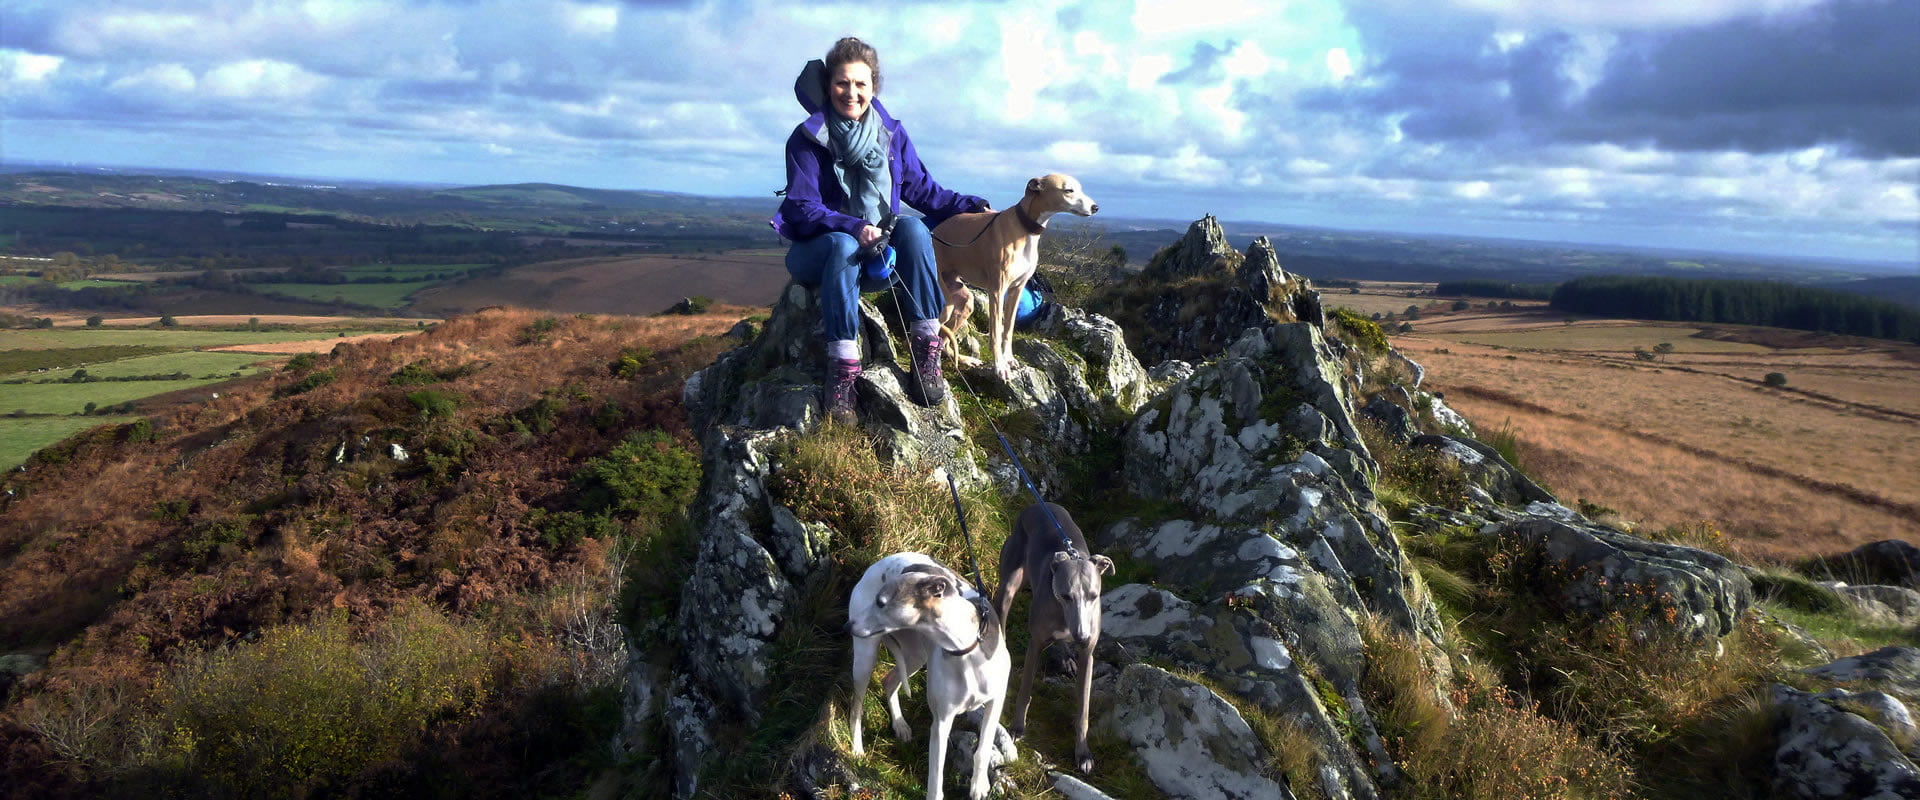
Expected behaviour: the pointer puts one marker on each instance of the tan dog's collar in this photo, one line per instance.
(1033, 226)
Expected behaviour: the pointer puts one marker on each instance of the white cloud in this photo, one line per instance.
(1338, 65)
(1632, 13)
(159, 78)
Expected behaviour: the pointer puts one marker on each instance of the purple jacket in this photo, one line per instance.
(814, 200)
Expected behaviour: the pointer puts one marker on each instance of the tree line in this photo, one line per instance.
(1776, 305)
(1487, 287)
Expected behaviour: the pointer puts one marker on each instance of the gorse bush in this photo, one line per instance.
(308, 704)
(647, 475)
(1364, 332)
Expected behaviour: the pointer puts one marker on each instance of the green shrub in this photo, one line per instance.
(1776, 379)
(95, 321)
(414, 374)
(1796, 592)
(537, 332)
(630, 361)
(301, 362)
(139, 431)
(543, 414)
(308, 705)
(313, 380)
(167, 321)
(434, 403)
(647, 475)
(1363, 332)
(564, 528)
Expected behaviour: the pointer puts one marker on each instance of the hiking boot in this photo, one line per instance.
(925, 352)
(841, 373)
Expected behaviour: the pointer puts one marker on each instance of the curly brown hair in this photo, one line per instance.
(850, 49)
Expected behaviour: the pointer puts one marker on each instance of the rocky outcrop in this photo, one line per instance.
(1198, 295)
(1484, 467)
(1593, 570)
(1826, 752)
(1888, 605)
(1265, 565)
(1192, 743)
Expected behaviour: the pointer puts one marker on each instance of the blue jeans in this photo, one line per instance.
(826, 261)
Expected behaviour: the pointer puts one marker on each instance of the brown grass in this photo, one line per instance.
(1785, 473)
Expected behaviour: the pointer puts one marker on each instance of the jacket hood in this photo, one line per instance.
(811, 87)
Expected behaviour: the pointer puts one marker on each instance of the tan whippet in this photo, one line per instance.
(927, 616)
(998, 251)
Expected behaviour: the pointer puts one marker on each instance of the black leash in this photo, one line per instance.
(976, 235)
(962, 513)
(1065, 541)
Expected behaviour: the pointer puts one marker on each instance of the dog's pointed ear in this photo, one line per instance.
(1104, 563)
(1033, 185)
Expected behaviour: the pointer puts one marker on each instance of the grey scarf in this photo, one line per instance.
(860, 162)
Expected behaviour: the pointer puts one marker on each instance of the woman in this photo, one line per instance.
(849, 166)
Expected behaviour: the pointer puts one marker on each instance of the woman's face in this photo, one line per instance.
(850, 89)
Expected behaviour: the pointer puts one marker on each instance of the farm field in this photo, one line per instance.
(120, 352)
(377, 295)
(1826, 463)
(19, 438)
(643, 284)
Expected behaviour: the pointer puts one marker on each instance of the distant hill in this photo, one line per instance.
(1902, 290)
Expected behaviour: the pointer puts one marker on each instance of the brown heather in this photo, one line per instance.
(233, 533)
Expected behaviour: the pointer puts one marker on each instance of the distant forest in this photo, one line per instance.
(1739, 302)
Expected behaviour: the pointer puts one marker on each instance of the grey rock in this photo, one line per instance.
(1172, 370)
(1893, 605)
(1485, 468)
(1073, 788)
(690, 717)
(1410, 369)
(1594, 570)
(1191, 743)
(1824, 752)
(1392, 418)
(1897, 668)
(1446, 417)
(960, 744)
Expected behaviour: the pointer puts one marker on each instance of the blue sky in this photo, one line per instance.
(1770, 126)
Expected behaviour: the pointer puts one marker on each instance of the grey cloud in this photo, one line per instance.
(1204, 66)
(1844, 74)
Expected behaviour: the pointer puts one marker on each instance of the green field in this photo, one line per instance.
(192, 362)
(94, 283)
(377, 295)
(171, 338)
(16, 361)
(19, 438)
(406, 270)
(72, 398)
(13, 280)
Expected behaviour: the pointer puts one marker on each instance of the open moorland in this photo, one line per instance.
(1823, 463)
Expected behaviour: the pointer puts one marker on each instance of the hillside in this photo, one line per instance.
(466, 562)
(449, 504)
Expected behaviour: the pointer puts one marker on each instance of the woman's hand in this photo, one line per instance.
(868, 235)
